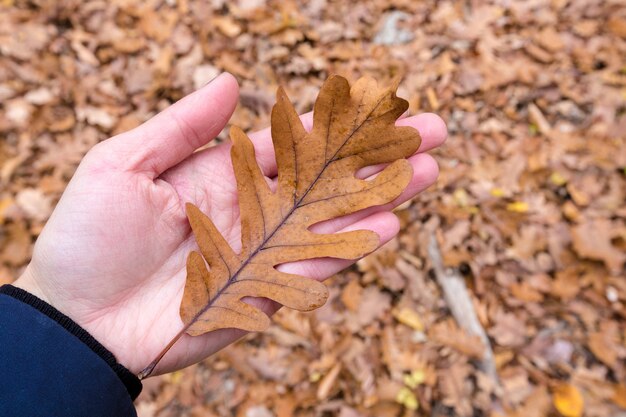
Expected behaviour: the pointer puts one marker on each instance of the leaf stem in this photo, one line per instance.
(147, 371)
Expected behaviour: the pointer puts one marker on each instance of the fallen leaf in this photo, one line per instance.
(517, 207)
(537, 404)
(456, 387)
(18, 249)
(408, 317)
(39, 96)
(328, 382)
(96, 117)
(5, 276)
(593, 239)
(515, 384)
(203, 74)
(456, 234)
(449, 334)
(259, 411)
(374, 303)
(227, 26)
(129, 45)
(34, 203)
(508, 330)
(550, 39)
(406, 397)
(566, 284)
(603, 343)
(617, 25)
(523, 291)
(59, 118)
(352, 128)
(619, 395)
(351, 295)
(415, 378)
(5, 203)
(568, 400)
(285, 406)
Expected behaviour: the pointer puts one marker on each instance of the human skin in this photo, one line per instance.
(112, 255)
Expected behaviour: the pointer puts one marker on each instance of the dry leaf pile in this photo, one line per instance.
(530, 204)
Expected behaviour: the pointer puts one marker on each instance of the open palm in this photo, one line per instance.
(112, 256)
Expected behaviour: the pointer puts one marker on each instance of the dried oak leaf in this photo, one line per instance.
(447, 333)
(594, 240)
(352, 128)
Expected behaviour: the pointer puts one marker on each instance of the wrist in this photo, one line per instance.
(28, 283)
(130, 381)
(93, 325)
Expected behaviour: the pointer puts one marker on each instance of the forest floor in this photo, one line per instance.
(528, 215)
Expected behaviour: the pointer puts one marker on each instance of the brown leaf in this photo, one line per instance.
(18, 249)
(34, 203)
(328, 382)
(352, 128)
(449, 334)
(603, 343)
(593, 240)
(617, 25)
(537, 404)
(619, 396)
(550, 39)
(374, 304)
(508, 330)
(456, 388)
(351, 295)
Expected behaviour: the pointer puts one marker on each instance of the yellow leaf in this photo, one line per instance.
(460, 197)
(517, 207)
(557, 179)
(415, 378)
(432, 98)
(315, 376)
(568, 400)
(406, 397)
(176, 377)
(409, 317)
(497, 192)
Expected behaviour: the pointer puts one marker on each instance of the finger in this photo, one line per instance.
(431, 127)
(175, 133)
(432, 130)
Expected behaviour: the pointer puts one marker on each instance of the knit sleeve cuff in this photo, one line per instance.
(130, 381)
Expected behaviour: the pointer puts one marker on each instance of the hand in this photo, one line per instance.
(112, 255)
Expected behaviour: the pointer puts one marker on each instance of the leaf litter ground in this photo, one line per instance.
(529, 205)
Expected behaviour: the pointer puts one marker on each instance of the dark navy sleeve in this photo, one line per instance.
(50, 366)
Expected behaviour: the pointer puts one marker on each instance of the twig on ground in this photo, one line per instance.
(460, 304)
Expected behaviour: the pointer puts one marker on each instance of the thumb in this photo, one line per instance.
(175, 133)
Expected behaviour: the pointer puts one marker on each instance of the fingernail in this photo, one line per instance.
(199, 84)
(215, 78)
